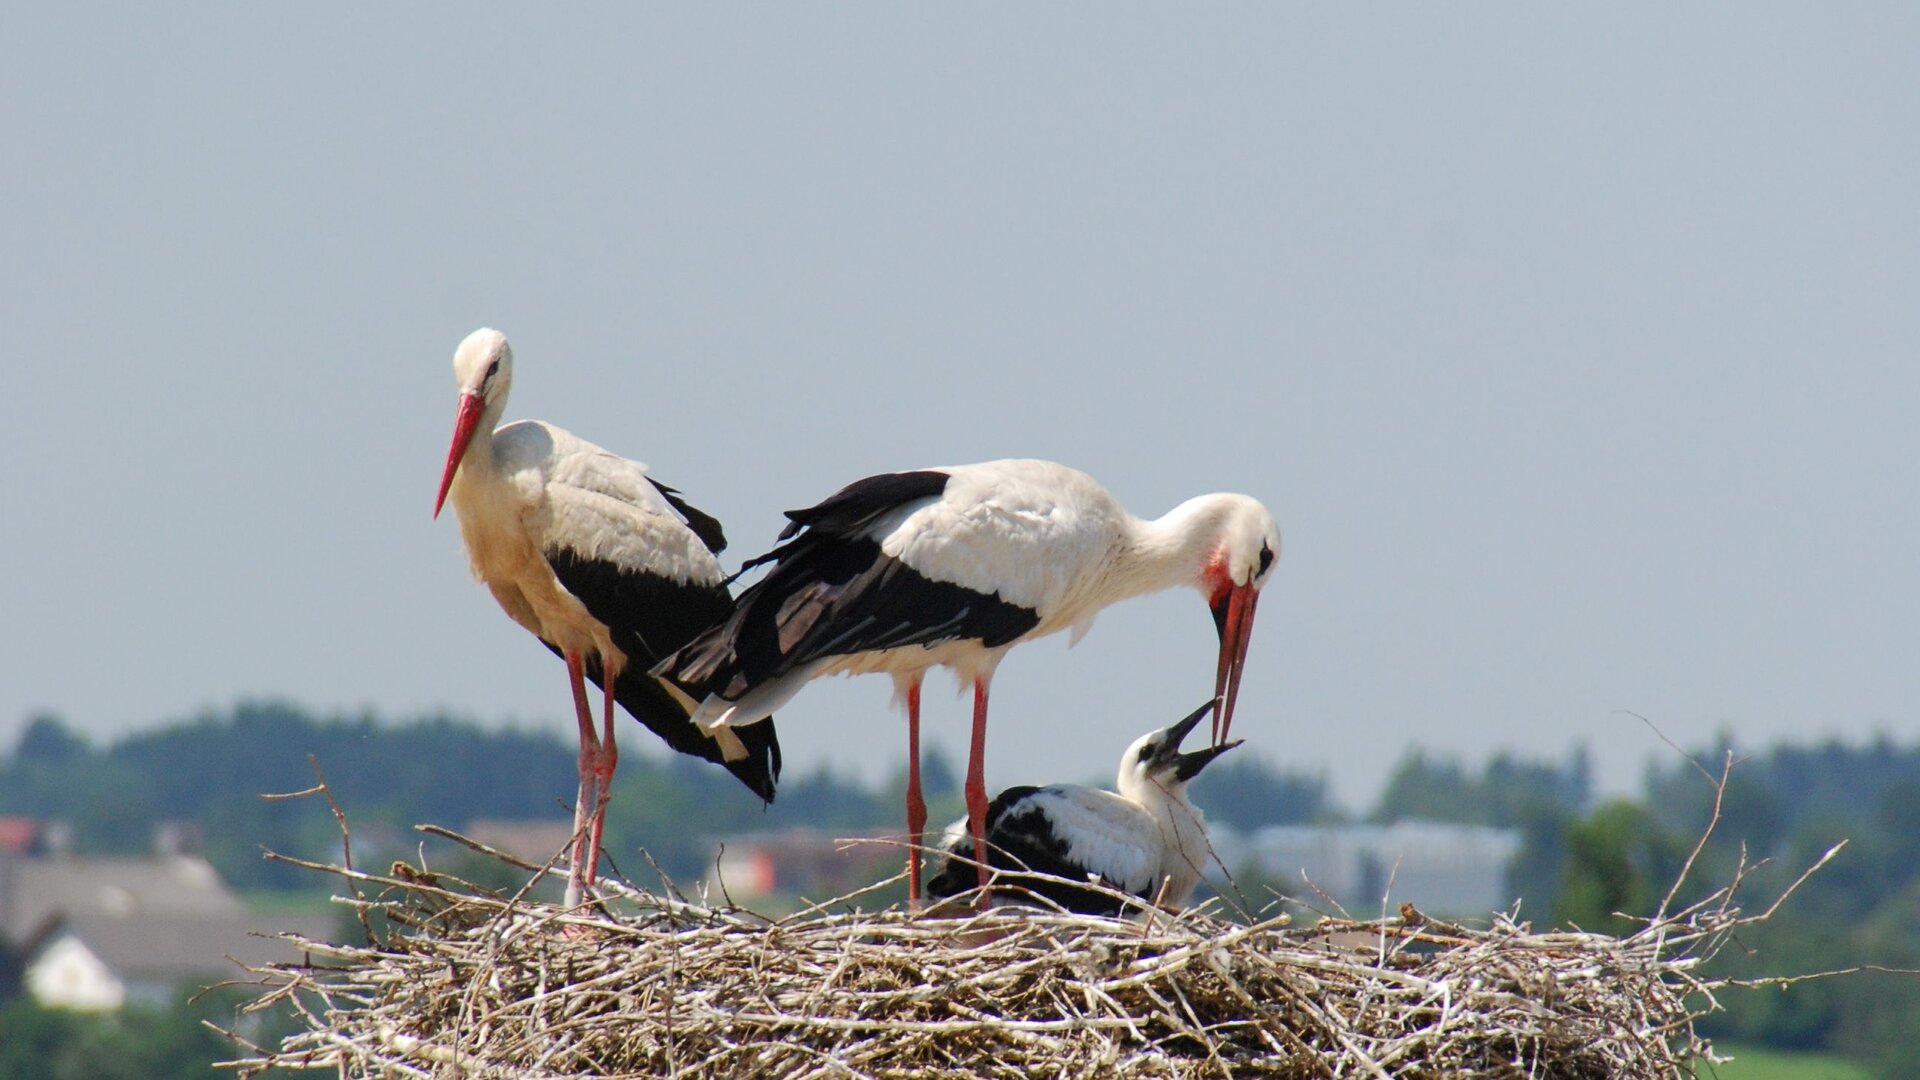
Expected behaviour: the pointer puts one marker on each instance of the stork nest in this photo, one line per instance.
(465, 982)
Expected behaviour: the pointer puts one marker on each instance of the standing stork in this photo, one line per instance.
(1142, 838)
(906, 571)
(607, 566)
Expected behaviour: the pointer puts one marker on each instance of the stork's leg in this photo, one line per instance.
(606, 761)
(579, 874)
(916, 803)
(977, 785)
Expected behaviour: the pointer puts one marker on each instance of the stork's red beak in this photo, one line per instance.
(464, 423)
(1233, 615)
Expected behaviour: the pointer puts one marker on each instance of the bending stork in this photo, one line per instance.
(901, 572)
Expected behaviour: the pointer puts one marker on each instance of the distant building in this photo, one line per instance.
(1440, 868)
(813, 863)
(179, 838)
(36, 890)
(96, 933)
(20, 836)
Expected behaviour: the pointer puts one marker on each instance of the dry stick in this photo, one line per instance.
(1797, 882)
(1713, 821)
(346, 836)
(470, 1002)
(485, 849)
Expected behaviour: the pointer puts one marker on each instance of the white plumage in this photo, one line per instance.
(575, 495)
(1032, 532)
(1144, 839)
(901, 572)
(608, 567)
(536, 488)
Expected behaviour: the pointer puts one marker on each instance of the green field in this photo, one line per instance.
(1753, 1063)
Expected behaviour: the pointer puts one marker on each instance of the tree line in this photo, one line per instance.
(1599, 866)
(212, 769)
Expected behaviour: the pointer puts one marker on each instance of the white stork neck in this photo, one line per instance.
(1180, 830)
(1172, 550)
(1156, 793)
(478, 478)
(478, 456)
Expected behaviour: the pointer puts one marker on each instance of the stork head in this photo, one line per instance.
(1246, 547)
(483, 366)
(1155, 761)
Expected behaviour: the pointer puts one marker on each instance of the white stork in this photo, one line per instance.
(606, 565)
(954, 566)
(1147, 840)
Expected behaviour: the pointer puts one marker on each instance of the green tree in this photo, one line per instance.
(1426, 789)
(1875, 1012)
(1535, 874)
(1247, 793)
(167, 1042)
(1618, 862)
(49, 742)
(1506, 791)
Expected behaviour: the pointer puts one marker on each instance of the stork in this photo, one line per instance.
(902, 572)
(1147, 839)
(608, 567)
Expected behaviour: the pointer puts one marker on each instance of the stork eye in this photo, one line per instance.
(1266, 558)
(1146, 752)
(493, 369)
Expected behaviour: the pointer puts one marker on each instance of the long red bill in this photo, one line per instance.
(1236, 630)
(464, 423)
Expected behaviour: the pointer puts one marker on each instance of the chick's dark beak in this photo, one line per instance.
(1169, 748)
(1189, 765)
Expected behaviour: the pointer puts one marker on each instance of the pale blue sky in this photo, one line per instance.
(1573, 349)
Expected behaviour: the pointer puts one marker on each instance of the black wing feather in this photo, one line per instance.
(854, 507)
(643, 697)
(847, 512)
(833, 593)
(1028, 854)
(704, 525)
(829, 597)
(649, 617)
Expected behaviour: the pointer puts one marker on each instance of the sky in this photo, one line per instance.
(1574, 349)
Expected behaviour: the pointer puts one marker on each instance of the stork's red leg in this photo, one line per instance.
(580, 873)
(977, 785)
(606, 761)
(916, 803)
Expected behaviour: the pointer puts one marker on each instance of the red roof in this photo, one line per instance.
(17, 834)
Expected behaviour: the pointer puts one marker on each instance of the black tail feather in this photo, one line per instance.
(642, 696)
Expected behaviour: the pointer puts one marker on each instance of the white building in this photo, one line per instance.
(66, 973)
(96, 933)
